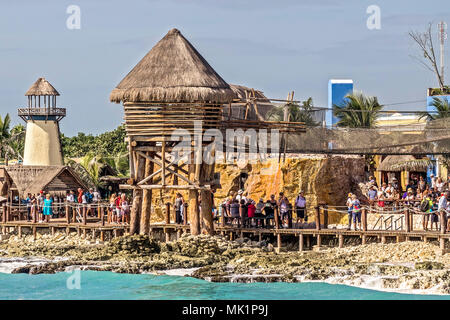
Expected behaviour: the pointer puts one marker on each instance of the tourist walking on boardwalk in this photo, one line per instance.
(372, 195)
(426, 207)
(40, 202)
(356, 212)
(283, 204)
(349, 210)
(259, 212)
(178, 206)
(70, 197)
(48, 210)
(111, 209)
(124, 209)
(443, 205)
(80, 195)
(235, 212)
(243, 213)
(434, 215)
(300, 207)
(251, 210)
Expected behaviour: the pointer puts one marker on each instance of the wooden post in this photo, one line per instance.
(341, 240)
(167, 213)
(147, 197)
(407, 221)
(277, 222)
(135, 216)
(178, 234)
(308, 241)
(8, 213)
(317, 218)
(279, 242)
(102, 217)
(319, 240)
(67, 213)
(383, 239)
(300, 242)
(442, 221)
(67, 231)
(364, 219)
(93, 234)
(222, 219)
(185, 215)
(442, 245)
(34, 233)
(84, 216)
(20, 231)
(102, 235)
(53, 230)
(363, 239)
(4, 213)
(325, 216)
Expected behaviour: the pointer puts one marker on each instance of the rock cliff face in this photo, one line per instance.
(322, 179)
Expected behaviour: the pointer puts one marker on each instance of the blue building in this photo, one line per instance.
(337, 90)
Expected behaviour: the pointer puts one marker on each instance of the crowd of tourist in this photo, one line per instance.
(43, 206)
(238, 209)
(421, 196)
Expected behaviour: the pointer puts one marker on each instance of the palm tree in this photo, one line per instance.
(358, 111)
(296, 113)
(442, 110)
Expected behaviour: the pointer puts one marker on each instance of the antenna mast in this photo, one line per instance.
(442, 37)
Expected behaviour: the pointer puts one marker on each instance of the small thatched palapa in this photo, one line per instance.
(395, 163)
(42, 88)
(52, 179)
(173, 71)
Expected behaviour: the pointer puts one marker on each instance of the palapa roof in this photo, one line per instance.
(42, 88)
(395, 163)
(173, 71)
(240, 92)
(33, 179)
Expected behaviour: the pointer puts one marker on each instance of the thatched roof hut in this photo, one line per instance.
(396, 163)
(50, 179)
(42, 88)
(173, 71)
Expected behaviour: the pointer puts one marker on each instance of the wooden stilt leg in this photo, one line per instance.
(341, 241)
(300, 242)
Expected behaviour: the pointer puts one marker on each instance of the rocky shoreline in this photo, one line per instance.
(395, 266)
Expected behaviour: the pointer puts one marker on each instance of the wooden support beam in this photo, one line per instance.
(300, 242)
(319, 240)
(84, 216)
(341, 240)
(278, 241)
(442, 245)
(383, 239)
(407, 219)
(363, 239)
(442, 222)
(364, 219)
(317, 218)
(67, 213)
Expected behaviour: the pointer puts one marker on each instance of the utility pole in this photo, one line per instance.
(442, 37)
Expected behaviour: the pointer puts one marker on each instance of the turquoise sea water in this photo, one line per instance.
(108, 285)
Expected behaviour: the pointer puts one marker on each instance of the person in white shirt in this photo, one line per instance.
(443, 206)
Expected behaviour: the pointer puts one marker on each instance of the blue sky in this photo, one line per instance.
(274, 46)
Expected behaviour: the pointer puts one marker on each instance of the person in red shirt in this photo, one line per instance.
(251, 209)
(80, 195)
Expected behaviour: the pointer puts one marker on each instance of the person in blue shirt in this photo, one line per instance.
(48, 210)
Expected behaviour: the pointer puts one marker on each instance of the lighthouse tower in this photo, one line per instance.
(42, 141)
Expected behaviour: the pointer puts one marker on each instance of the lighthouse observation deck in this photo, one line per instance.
(51, 113)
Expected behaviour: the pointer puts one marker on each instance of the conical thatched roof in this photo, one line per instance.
(42, 88)
(173, 71)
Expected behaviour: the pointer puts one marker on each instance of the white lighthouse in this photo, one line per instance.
(42, 140)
